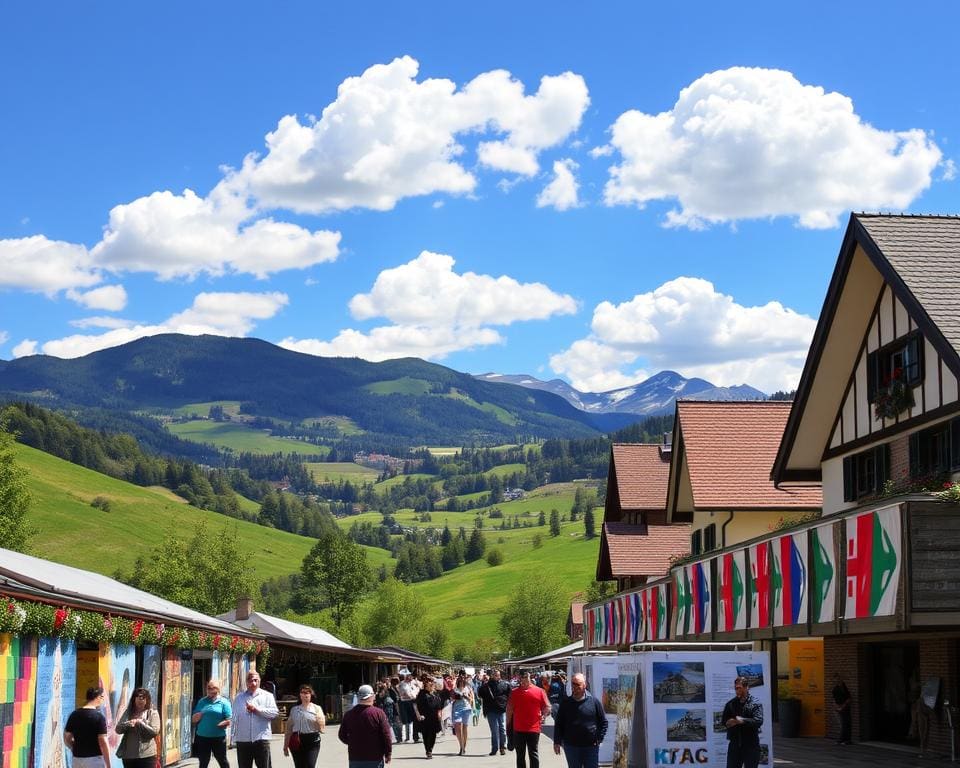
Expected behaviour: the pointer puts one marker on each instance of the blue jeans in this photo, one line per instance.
(498, 730)
(582, 757)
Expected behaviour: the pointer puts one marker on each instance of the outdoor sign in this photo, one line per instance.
(874, 554)
(56, 693)
(665, 707)
(807, 684)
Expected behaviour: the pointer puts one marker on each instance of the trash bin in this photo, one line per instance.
(789, 712)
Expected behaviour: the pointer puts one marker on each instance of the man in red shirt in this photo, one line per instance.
(526, 708)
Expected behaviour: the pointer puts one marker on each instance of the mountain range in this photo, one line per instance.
(653, 397)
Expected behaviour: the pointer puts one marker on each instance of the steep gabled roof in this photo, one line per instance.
(919, 258)
(639, 550)
(728, 449)
(638, 476)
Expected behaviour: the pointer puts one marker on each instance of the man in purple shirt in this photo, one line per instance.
(366, 732)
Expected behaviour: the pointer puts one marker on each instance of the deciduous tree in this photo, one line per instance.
(334, 575)
(533, 621)
(15, 531)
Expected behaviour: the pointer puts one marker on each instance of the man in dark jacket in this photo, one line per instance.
(493, 696)
(366, 732)
(743, 717)
(580, 725)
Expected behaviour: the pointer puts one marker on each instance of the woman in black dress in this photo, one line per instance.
(427, 709)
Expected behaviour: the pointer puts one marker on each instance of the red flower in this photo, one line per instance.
(216, 641)
(948, 485)
(59, 618)
(137, 628)
(11, 607)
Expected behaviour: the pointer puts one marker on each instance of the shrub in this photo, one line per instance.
(494, 558)
(101, 502)
(537, 541)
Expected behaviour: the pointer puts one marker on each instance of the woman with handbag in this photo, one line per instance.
(305, 723)
(212, 716)
(138, 725)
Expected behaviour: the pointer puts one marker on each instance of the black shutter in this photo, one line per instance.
(710, 537)
(849, 479)
(955, 444)
(871, 376)
(915, 469)
(881, 462)
(695, 539)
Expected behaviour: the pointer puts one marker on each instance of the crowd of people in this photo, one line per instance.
(398, 711)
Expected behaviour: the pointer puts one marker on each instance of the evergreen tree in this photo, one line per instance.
(476, 546)
(554, 522)
(541, 518)
(589, 528)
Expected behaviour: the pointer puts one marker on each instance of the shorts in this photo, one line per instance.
(462, 716)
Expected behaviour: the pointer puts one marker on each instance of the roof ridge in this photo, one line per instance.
(901, 215)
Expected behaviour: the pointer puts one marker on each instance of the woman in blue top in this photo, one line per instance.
(212, 716)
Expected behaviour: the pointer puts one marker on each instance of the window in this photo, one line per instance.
(696, 542)
(904, 355)
(864, 474)
(936, 450)
(710, 537)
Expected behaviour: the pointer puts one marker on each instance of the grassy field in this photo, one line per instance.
(402, 386)
(202, 410)
(238, 437)
(333, 471)
(343, 424)
(505, 469)
(74, 533)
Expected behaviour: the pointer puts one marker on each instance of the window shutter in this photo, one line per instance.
(882, 463)
(695, 542)
(710, 537)
(871, 376)
(915, 469)
(955, 444)
(849, 481)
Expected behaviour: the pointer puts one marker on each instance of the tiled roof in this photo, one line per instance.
(925, 252)
(640, 550)
(642, 475)
(729, 448)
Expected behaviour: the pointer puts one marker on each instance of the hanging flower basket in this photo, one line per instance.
(895, 397)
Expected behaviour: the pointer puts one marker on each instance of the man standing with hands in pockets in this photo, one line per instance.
(253, 709)
(579, 726)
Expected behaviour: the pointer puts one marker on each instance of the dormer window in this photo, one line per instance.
(901, 359)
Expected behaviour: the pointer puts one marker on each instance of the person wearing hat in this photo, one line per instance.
(365, 730)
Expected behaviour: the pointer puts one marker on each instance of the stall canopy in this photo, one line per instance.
(45, 581)
(557, 654)
(409, 656)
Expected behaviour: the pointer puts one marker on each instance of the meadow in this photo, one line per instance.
(241, 438)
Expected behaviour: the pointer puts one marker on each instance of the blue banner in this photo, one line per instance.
(56, 693)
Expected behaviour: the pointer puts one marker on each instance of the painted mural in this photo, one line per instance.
(18, 690)
(56, 695)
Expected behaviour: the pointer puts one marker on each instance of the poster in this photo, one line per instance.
(56, 694)
(170, 708)
(18, 690)
(823, 563)
(186, 702)
(676, 705)
(873, 563)
(150, 673)
(807, 684)
(118, 679)
(790, 598)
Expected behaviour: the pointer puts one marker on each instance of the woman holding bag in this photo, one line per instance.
(138, 726)
(304, 725)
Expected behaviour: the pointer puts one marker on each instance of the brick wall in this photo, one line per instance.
(851, 657)
(900, 458)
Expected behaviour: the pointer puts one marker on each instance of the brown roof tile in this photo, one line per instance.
(729, 448)
(642, 475)
(640, 550)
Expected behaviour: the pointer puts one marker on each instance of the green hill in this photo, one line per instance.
(74, 533)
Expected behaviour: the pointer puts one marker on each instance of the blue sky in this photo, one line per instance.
(591, 193)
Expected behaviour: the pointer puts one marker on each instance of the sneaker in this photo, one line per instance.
(503, 751)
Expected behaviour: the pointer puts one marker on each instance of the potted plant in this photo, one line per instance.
(788, 711)
(894, 397)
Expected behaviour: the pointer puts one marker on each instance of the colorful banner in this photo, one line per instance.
(186, 703)
(731, 607)
(874, 554)
(790, 598)
(759, 585)
(655, 602)
(807, 683)
(56, 694)
(18, 692)
(700, 596)
(638, 617)
(823, 597)
(170, 710)
(681, 602)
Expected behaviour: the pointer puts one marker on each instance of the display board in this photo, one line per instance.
(807, 684)
(672, 716)
(56, 693)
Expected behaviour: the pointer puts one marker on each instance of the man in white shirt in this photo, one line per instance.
(253, 709)
(408, 694)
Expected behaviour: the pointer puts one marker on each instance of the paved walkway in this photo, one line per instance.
(788, 753)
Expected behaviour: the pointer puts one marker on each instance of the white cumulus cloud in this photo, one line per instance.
(746, 143)
(183, 235)
(4, 337)
(219, 314)
(388, 136)
(40, 265)
(562, 192)
(688, 326)
(100, 321)
(435, 311)
(112, 298)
